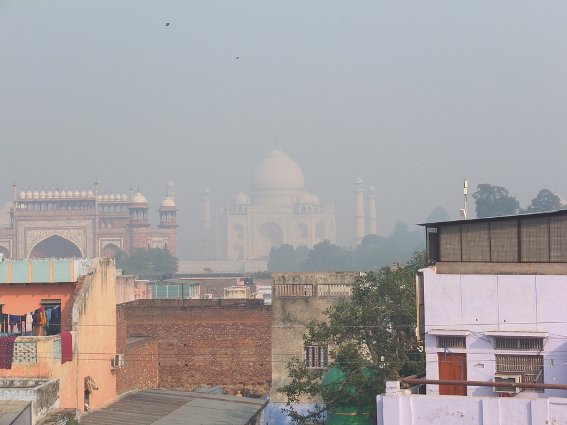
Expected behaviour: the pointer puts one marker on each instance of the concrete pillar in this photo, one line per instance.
(371, 230)
(206, 211)
(359, 218)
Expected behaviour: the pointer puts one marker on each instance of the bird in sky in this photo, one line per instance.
(167, 24)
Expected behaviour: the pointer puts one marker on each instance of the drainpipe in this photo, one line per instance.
(415, 381)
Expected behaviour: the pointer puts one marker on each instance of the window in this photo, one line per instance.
(530, 367)
(316, 356)
(525, 344)
(451, 342)
(53, 316)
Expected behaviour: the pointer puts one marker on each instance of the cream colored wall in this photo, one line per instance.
(291, 314)
(94, 319)
(93, 324)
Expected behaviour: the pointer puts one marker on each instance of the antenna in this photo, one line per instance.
(463, 211)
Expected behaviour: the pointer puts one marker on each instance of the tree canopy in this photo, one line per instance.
(493, 201)
(372, 253)
(148, 262)
(544, 201)
(371, 339)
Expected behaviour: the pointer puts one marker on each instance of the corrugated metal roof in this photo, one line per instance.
(11, 409)
(503, 217)
(167, 407)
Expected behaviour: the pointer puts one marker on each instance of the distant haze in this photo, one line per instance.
(411, 96)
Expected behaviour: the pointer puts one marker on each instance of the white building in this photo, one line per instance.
(491, 307)
(279, 211)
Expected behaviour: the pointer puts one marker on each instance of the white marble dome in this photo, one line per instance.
(22, 195)
(241, 198)
(278, 171)
(277, 180)
(308, 198)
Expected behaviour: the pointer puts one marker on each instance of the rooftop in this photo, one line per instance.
(166, 407)
(11, 409)
(47, 270)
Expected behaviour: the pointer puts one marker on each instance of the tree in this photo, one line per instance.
(148, 262)
(544, 201)
(493, 201)
(327, 257)
(286, 258)
(438, 214)
(372, 335)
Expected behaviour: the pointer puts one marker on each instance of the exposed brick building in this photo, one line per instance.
(195, 343)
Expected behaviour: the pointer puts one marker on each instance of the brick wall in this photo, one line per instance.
(200, 343)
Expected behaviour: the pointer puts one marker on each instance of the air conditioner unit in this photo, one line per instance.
(117, 361)
(208, 296)
(512, 379)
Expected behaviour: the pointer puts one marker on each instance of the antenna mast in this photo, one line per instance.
(463, 211)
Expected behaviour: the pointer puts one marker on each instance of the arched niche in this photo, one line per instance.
(55, 247)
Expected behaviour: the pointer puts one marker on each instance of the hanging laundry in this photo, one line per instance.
(15, 322)
(7, 351)
(66, 346)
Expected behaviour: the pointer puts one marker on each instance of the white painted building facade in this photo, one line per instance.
(492, 306)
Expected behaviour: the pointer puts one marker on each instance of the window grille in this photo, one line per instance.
(527, 344)
(558, 238)
(294, 290)
(504, 241)
(450, 242)
(451, 342)
(25, 353)
(530, 367)
(535, 239)
(316, 356)
(476, 242)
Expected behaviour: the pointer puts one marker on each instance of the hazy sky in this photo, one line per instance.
(411, 96)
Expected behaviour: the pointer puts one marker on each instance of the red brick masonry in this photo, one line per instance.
(196, 343)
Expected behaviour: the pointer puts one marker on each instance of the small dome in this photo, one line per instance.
(308, 198)
(29, 194)
(49, 194)
(111, 197)
(241, 198)
(90, 193)
(124, 197)
(105, 197)
(22, 195)
(56, 194)
(99, 198)
(83, 194)
(76, 194)
(168, 203)
(63, 194)
(278, 171)
(42, 194)
(138, 198)
(36, 195)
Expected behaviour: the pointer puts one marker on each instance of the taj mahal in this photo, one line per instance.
(279, 210)
(237, 236)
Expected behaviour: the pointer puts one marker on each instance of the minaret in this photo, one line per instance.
(171, 190)
(206, 211)
(359, 218)
(371, 230)
(207, 235)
